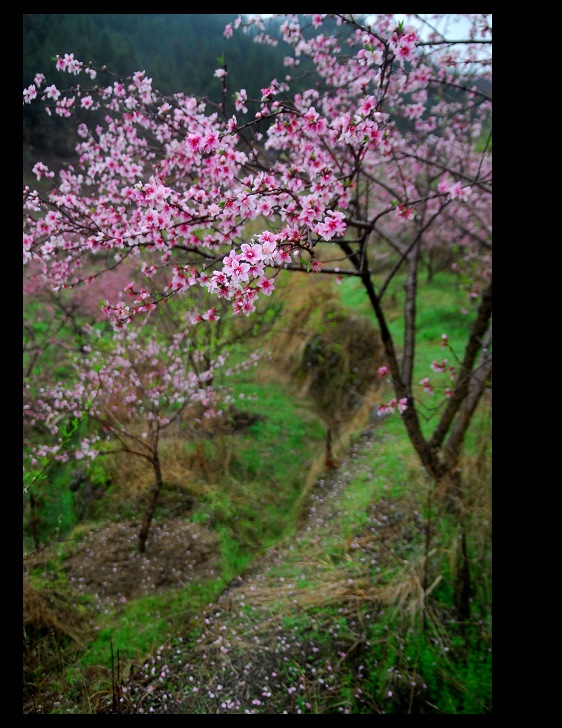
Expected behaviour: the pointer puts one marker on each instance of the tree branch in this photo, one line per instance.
(463, 380)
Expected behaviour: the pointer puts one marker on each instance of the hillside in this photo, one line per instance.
(346, 608)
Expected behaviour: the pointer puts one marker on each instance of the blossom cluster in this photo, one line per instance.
(374, 155)
(138, 379)
(198, 194)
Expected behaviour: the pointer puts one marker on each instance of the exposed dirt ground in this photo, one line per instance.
(108, 564)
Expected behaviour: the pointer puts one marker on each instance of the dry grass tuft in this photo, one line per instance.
(314, 318)
(48, 612)
(303, 297)
(54, 633)
(407, 591)
(323, 593)
(332, 357)
(183, 469)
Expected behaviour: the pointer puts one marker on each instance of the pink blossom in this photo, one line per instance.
(240, 99)
(314, 122)
(29, 94)
(439, 366)
(404, 52)
(230, 262)
(404, 212)
(41, 170)
(210, 315)
(334, 224)
(367, 105)
(251, 253)
(402, 404)
(68, 63)
(52, 92)
(460, 192)
(266, 285)
(404, 45)
(426, 384)
(265, 207)
(237, 270)
(414, 111)
(268, 247)
(282, 256)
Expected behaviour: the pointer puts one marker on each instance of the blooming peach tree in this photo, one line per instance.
(121, 398)
(384, 156)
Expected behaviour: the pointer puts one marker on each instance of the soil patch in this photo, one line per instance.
(108, 565)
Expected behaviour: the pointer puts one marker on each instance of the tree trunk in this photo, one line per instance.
(33, 521)
(330, 461)
(462, 580)
(151, 507)
(463, 586)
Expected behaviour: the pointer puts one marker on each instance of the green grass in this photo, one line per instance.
(442, 309)
(439, 309)
(256, 501)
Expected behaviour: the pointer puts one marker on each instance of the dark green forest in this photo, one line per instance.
(179, 52)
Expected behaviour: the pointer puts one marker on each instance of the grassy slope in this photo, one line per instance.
(337, 609)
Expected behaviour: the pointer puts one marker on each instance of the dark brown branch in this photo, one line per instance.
(411, 287)
(463, 381)
(451, 451)
(406, 251)
(453, 42)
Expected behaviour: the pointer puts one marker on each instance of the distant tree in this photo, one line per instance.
(127, 395)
